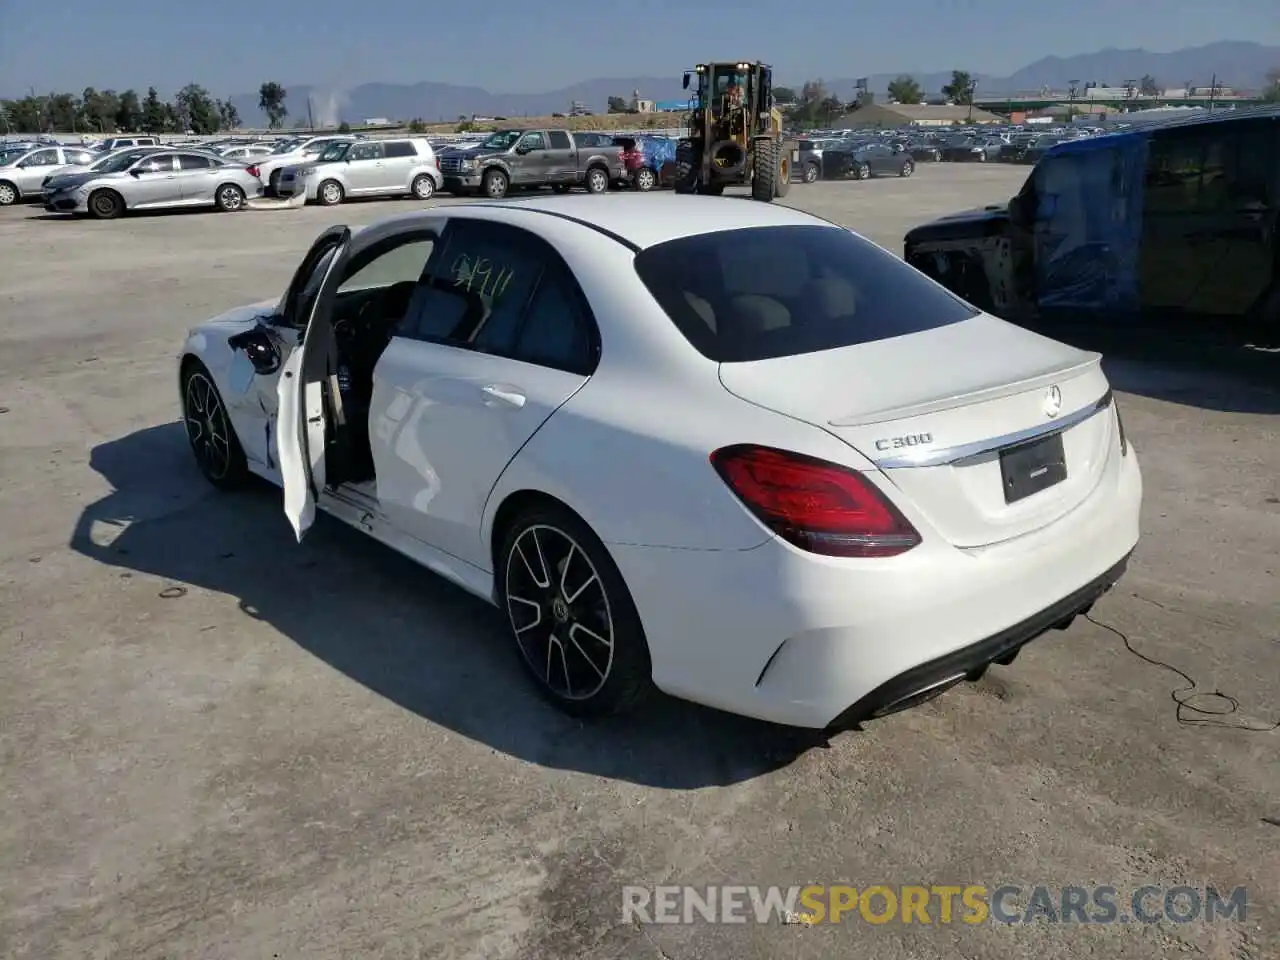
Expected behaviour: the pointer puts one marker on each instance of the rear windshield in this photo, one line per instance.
(764, 292)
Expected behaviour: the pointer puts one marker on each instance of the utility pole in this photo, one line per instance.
(1213, 91)
(310, 117)
(973, 89)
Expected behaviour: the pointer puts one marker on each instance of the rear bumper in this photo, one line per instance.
(810, 641)
(928, 679)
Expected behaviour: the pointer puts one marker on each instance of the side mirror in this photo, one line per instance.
(686, 81)
(137, 172)
(522, 150)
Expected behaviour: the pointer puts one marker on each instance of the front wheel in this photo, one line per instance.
(572, 617)
(812, 173)
(496, 184)
(213, 441)
(105, 204)
(863, 171)
(329, 193)
(908, 168)
(8, 194)
(645, 179)
(687, 169)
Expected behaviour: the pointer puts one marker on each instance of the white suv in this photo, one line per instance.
(366, 168)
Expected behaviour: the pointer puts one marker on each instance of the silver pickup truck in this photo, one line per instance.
(531, 158)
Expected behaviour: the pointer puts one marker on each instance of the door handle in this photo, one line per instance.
(504, 394)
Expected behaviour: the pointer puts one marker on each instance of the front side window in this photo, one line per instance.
(502, 140)
(162, 163)
(42, 158)
(533, 141)
(388, 265)
(763, 292)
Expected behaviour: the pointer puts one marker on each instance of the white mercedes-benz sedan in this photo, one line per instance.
(728, 450)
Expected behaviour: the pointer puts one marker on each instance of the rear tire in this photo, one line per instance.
(105, 204)
(863, 171)
(229, 198)
(596, 180)
(645, 179)
(812, 173)
(8, 194)
(572, 617)
(908, 168)
(423, 187)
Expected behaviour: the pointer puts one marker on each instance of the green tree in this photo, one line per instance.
(129, 112)
(197, 110)
(271, 98)
(960, 89)
(415, 125)
(25, 115)
(228, 115)
(784, 96)
(62, 111)
(173, 122)
(98, 109)
(153, 112)
(344, 127)
(619, 105)
(1148, 86)
(904, 89)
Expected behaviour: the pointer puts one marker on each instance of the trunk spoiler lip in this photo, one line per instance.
(1067, 371)
(944, 456)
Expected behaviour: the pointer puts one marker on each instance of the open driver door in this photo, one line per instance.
(307, 389)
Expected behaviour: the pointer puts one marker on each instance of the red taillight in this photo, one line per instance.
(818, 506)
(254, 170)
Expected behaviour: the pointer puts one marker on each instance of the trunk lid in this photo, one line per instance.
(934, 409)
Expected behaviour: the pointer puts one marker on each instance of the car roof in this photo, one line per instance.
(643, 220)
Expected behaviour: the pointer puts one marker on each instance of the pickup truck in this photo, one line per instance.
(531, 158)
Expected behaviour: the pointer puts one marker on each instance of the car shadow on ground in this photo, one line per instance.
(392, 626)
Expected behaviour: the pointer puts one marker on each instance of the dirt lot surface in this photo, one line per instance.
(217, 743)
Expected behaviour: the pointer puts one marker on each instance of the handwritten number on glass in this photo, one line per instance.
(482, 277)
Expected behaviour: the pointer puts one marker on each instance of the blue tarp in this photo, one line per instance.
(673, 105)
(1089, 223)
(657, 151)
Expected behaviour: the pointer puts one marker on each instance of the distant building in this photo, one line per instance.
(378, 122)
(914, 115)
(673, 106)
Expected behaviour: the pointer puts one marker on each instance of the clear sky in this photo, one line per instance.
(525, 45)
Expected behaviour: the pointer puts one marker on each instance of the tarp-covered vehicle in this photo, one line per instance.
(1168, 226)
(650, 161)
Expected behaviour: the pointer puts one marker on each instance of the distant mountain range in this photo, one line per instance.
(1238, 64)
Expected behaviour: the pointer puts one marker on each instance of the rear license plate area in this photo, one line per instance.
(1031, 467)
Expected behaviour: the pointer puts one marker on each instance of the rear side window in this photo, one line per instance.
(764, 292)
(400, 148)
(559, 140)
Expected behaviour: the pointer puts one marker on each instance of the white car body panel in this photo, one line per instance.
(735, 617)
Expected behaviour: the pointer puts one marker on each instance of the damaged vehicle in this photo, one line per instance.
(709, 447)
(1169, 226)
(511, 159)
(650, 161)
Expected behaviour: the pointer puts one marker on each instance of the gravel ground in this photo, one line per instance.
(216, 743)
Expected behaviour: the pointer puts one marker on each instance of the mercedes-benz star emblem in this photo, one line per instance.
(1052, 402)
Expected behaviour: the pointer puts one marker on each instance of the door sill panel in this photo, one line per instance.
(356, 508)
